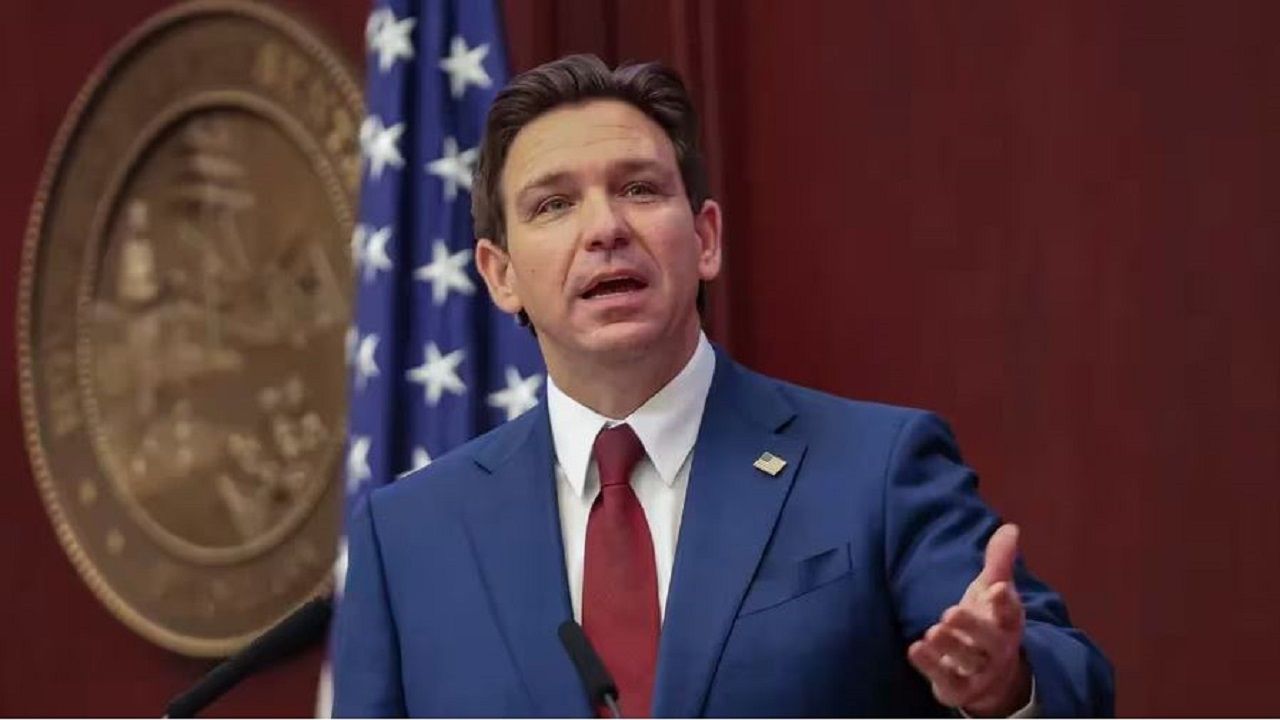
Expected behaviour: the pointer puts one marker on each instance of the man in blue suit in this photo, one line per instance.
(732, 544)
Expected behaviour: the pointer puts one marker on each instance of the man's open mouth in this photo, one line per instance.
(614, 286)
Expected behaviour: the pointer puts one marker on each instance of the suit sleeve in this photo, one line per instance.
(936, 531)
(366, 672)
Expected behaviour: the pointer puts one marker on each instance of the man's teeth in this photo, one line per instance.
(614, 287)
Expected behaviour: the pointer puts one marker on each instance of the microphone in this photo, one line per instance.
(600, 686)
(301, 628)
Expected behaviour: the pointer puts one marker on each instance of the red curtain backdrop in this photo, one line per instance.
(1054, 223)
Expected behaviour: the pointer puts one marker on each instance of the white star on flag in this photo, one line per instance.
(520, 394)
(389, 37)
(445, 272)
(375, 253)
(438, 373)
(380, 145)
(358, 462)
(421, 458)
(454, 167)
(373, 25)
(366, 363)
(465, 66)
(418, 459)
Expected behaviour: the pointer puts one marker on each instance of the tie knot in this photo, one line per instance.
(617, 450)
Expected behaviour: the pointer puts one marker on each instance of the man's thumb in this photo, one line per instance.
(1002, 550)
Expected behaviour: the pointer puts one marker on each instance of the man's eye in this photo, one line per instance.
(553, 204)
(639, 189)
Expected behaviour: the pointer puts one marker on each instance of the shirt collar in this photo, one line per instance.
(667, 423)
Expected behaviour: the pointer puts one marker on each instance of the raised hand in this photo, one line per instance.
(973, 655)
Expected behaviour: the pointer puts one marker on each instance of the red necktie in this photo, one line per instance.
(620, 580)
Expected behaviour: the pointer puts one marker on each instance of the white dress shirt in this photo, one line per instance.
(667, 425)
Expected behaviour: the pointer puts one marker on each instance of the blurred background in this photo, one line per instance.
(1055, 223)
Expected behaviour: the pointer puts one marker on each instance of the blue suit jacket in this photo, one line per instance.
(794, 594)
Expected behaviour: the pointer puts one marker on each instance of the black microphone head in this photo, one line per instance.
(591, 669)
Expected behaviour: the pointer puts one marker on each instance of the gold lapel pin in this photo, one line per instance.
(770, 463)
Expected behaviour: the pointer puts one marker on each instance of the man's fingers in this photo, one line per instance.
(950, 689)
(970, 650)
(1002, 550)
(1006, 606)
(928, 661)
(957, 653)
(981, 632)
(973, 641)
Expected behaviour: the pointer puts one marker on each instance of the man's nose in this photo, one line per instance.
(604, 227)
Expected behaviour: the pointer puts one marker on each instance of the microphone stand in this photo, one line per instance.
(302, 627)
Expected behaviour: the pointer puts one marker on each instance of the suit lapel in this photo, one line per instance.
(514, 527)
(729, 515)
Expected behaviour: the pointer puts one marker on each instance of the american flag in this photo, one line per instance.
(433, 362)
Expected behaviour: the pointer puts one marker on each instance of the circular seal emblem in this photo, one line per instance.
(185, 292)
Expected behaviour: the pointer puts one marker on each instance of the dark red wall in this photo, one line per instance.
(1055, 223)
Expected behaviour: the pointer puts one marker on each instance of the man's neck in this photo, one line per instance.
(616, 386)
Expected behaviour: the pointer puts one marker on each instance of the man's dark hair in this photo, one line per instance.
(651, 87)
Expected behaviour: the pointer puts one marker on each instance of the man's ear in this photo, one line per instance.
(494, 265)
(706, 225)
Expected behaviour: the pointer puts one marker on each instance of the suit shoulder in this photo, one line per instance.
(866, 425)
(453, 471)
(809, 401)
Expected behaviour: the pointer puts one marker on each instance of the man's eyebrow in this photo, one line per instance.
(639, 164)
(559, 177)
(545, 180)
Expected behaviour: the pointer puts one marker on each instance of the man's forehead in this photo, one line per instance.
(597, 131)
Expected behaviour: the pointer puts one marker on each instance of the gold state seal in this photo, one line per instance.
(185, 292)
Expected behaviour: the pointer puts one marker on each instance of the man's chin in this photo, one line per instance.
(622, 339)
(637, 338)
